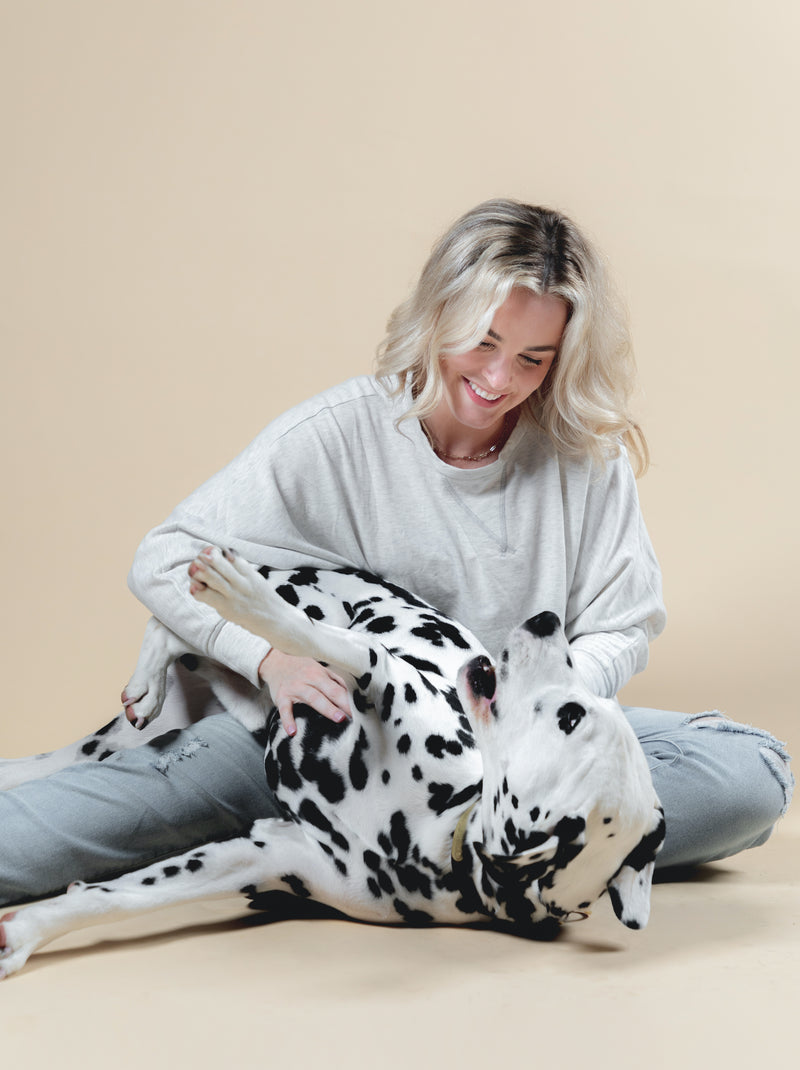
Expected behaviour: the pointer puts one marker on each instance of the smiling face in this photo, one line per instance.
(486, 383)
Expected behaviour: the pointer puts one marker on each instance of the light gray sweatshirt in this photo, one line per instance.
(333, 482)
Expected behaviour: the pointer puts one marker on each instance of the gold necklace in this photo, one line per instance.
(505, 432)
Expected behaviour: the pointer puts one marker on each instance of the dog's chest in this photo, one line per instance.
(408, 757)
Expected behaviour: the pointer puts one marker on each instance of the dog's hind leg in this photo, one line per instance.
(143, 698)
(277, 855)
(95, 747)
(144, 694)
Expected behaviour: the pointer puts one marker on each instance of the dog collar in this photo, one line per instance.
(462, 872)
(457, 850)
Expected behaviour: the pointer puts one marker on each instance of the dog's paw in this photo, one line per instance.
(232, 586)
(18, 940)
(144, 694)
(143, 699)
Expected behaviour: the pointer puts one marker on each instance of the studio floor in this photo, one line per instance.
(713, 980)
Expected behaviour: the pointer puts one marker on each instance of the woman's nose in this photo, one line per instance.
(497, 372)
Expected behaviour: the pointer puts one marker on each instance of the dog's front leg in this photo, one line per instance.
(238, 592)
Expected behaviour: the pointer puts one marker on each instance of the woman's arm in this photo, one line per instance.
(615, 606)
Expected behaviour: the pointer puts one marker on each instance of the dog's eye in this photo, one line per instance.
(570, 716)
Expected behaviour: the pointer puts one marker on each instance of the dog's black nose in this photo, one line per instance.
(543, 624)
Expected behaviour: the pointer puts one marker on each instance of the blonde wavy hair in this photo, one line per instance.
(583, 404)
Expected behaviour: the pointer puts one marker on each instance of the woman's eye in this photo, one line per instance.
(486, 345)
(533, 361)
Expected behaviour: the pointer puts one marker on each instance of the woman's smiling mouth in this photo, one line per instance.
(484, 395)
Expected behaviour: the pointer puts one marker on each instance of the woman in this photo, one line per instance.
(488, 469)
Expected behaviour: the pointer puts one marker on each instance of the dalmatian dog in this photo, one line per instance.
(459, 791)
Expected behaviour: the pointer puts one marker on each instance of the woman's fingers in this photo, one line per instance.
(302, 680)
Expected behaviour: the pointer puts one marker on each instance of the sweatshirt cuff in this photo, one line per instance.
(590, 672)
(607, 660)
(240, 650)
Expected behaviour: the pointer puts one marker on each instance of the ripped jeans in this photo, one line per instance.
(722, 785)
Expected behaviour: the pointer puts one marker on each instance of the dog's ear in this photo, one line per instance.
(629, 888)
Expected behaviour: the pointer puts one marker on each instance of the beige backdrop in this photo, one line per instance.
(211, 207)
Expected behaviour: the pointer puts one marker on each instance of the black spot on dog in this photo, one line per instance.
(450, 695)
(287, 774)
(398, 830)
(288, 594)
(314, 613)
(466, 739)
(189, 661)
(310, 812)
(387, 702)
(404, 743)
(416, 772)
(194, 864)
(296, 885)
(645, 851)
(568, 830)
(438, 746)
(271, 771)
(381, 625)
(149, 880)
(306, 576)
(442, 629)
(359, 773)
(171, 871)
(413, 880)
(410, 695)
(422, 666)
(319, 771)
(90, 747)
(106, 727)
(106, 754)
(385, 776)
(409, 916)
(372, 860)
(442, 797)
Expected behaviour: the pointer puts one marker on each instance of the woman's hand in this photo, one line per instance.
(291, 679)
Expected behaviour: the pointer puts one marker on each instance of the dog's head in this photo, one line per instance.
(568, 810)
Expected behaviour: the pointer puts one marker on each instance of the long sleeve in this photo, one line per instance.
(615, 606)
(279, 503)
